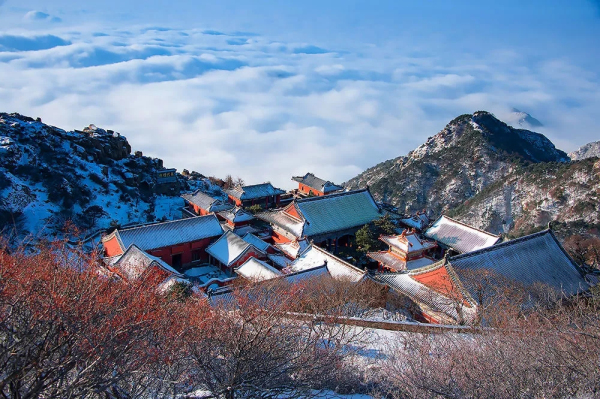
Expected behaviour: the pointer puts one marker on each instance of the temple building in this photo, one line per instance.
(310, 184)
(406, 251)
(459, 237)
(135, 264)
(200, 204)
(451, 290)
(418, 221)
(263, 194)
(329, 220)
(236, 217)
(178, 243)
(231, 251)
(435, 297)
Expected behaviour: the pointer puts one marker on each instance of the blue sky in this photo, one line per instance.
(269, 89)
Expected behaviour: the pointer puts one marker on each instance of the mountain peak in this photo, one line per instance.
(470, 153)
(523, 119)
(483, 128)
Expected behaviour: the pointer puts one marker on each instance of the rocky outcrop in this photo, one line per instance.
(49, 175)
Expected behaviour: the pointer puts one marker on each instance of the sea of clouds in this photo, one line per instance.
(244, 104)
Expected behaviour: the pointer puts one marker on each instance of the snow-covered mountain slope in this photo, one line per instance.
(566, 194)
(49, 176)
(588, 150)
(470, 153)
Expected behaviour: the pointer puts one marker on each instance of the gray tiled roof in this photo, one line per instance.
(388, 259)
(337, 211)
(257, 242)
(459, 236)
(536, 258)
(237, 215)
(313, 181)
(205, 201)
(280, 218)
(330, 213)
(425, 296)
(307, 274)
(170, 233)
(255, 191)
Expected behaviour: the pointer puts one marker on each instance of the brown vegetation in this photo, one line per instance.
(545, 353)
(68, 331)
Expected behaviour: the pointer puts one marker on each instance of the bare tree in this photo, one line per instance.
(229, 182)
(239, 181)
(251, 349)
(549, 352)
(68, 332)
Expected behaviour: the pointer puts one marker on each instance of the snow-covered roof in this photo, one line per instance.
(237, 215)
(205, 201)
(459, 236)
(257, 270)
(257, 242)
(429, 299)
(307, 274)
(536, 258)
(170, 233)
(314, 256)
(326, 214)
(420, 262)
(293, 248)
(313, 181)
(280, 218)
(398, 264)
(408, 242)
(418, 221)
(240, 230)
(134, 263)
(254, 191)
(229, 248)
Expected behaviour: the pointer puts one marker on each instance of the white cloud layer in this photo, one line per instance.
(260, 109)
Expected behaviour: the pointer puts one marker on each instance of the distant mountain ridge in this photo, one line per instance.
(469, 154)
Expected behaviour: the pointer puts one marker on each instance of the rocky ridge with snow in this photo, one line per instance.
(469, 154)
(588, 150)
(49, 175)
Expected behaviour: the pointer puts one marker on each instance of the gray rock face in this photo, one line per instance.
(587, 151)
(469, 154)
